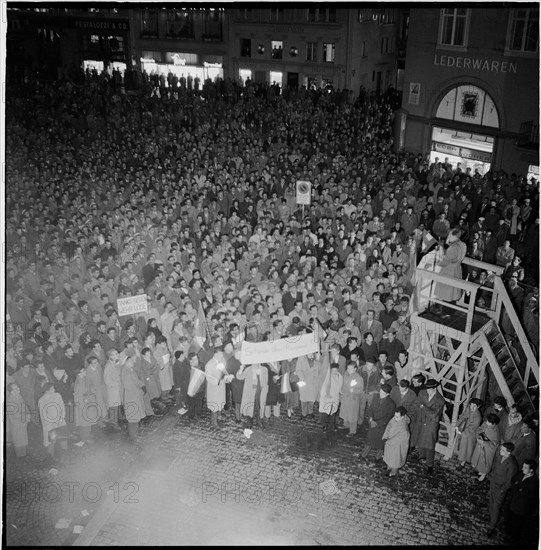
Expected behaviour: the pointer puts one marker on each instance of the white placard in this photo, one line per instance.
(278, 350)
(132, 304)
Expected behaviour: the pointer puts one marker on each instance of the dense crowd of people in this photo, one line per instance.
(189, 197)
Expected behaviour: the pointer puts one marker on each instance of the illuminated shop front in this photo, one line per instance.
(182, 64)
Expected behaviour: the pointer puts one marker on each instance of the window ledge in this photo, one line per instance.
(452, 48)
(516, 53)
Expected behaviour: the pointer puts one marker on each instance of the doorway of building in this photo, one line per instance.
(293, 81)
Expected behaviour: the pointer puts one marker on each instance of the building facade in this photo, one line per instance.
(54, 40)
(189, 42)
(471, 87)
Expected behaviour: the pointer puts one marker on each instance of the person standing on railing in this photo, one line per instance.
(451, 266)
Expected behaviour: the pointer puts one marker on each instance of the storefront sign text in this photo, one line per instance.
(475, 64)
(101, 25)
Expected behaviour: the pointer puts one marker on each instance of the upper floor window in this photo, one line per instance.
(321, 15)
(277, 49)
(245, 14)
(384, 16)
(149, 23)
(328, 52)
(277, 14)
(245, 47)
(311, 51)
(454, 26)
(386, 45)
(523, 35)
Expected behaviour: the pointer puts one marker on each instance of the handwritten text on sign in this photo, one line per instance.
(278, 350)
(131, 305)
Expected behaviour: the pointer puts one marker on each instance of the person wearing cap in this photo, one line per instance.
(396, 439)
(425, 432)
(379, 413)
(466, 429)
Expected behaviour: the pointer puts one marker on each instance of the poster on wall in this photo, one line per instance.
(415, 93)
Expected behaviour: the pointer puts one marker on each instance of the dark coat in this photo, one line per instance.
(425, 431)
(524, 496)
(408, 401)
(380, 411)
(503, 473)
(525, 448)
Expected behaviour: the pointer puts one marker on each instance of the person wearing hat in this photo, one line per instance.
(466, 428)
(425, 432)
(396, 437)
(379, 413)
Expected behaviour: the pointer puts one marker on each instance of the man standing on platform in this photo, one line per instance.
(425, 431)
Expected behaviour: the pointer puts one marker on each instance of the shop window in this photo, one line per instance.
(328, 52)
(311, 51)
(277, 49)
(454, 23)
(149, 24)
(213, 24)
(470, 105)
(523, 34)
(245, 47)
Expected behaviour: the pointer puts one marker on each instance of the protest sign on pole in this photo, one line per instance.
(304, 192)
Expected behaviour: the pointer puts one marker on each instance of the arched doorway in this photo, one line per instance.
(462, 132)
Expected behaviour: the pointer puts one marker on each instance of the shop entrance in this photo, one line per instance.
(472, 151)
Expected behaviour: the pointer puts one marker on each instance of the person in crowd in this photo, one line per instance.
(16, 420)
(487, 442)
(132, 399)
(523, 505)
(113, 386)
(526, 444)
(352, 398)
(425, 431)
(254, 393)
(466, 430)
(379, 412)
(216, 381)
(503, 473)
(396, 437)
(196, 388)
(329, 397)
(52, 415)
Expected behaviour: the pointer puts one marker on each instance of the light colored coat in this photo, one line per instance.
(215, 383)
(166, 373)
(312, 376)
(329, 395)
(52, 413)
(451, 266)
(484, 452)
(86, 407)
(353, 398)
(98, 388)
(17, 420)
(132, 399)
(111, 377)
(468, 423)
(250, 387)
(397, 439)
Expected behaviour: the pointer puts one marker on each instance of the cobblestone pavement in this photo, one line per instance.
(185, 484)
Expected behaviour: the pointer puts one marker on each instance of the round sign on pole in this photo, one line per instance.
(304, 192)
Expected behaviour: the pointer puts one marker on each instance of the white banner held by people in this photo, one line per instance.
(278, 350)
(132, 304)
(304, 192)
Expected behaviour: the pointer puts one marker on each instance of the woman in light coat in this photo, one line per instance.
(216, 372)
(397, 439)
(86, 408)
(132, 399)
(466, 428)
(17, 420)
(488, 441)
(163, 358)
(52, 413)
(352, 398)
